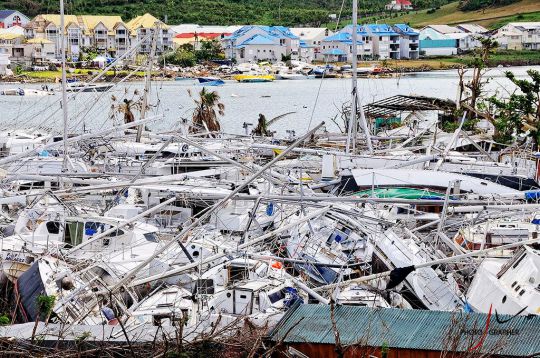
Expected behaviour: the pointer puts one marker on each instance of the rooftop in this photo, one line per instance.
(145, 21)
(409, 329)
(6, 13)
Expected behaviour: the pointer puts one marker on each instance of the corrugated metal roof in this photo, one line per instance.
(411, 329)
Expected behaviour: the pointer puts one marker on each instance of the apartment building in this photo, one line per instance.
(409, 41)
(142, 26)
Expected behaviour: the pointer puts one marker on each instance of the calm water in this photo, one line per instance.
(312, 101)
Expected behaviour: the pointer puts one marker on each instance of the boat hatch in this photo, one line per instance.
(151, 236)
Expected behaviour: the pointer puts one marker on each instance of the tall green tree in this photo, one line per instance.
(520, 113)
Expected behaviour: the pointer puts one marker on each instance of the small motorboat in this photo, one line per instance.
(291, 76)
(254, 78)
(25, 92)
(210, 81)
(92, 87)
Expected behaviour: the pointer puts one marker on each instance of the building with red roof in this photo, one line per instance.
(399, 5)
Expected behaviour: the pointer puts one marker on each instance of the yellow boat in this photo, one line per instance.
(254, 78)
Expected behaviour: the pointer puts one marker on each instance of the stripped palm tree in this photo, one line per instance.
(263, 125)
(205, 116)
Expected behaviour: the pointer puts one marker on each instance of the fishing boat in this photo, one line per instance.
(254, 78)
(210, 81)
(30, 92)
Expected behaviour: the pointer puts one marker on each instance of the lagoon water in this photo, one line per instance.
(312, 101)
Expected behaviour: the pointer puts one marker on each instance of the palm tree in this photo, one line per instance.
(205, 116)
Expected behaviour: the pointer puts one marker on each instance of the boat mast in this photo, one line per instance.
(148, 78)
(64, 82)
(353, 123)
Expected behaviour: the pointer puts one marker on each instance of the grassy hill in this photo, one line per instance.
(525, 10)
(224, 12)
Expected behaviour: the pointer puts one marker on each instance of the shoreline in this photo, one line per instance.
(410, 67)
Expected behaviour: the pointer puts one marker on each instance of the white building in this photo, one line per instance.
(519, 36)
(9, 18)
(399, 5)
(434, 43)
(466, 35)
(108, 35)
(311, 42)
(255, 43)
(386, 41)
(5, 62)
(374, 41)
(144, 25)
(409, 41)
(338, 47)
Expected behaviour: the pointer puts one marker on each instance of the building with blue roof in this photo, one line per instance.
(375, 41)
(409, 42)
(10, 18)
(311, 42)
(256, 43)
(386, 41)
(338, 47)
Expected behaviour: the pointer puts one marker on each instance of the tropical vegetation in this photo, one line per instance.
(223, 12)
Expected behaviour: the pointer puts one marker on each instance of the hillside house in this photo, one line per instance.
(9, 18)
(399, 5)
(519, 36)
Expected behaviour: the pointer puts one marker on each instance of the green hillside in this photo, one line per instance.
(225, 12)
(491, 17)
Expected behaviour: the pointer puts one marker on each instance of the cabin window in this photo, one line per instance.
(204, 287)
(276, 296)
(237, 273)
(521, 292)
(514, 283)
(518, 287)
(244, 297)
(504, 299)
(90, 228)
(53, 227)
(151, 236)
